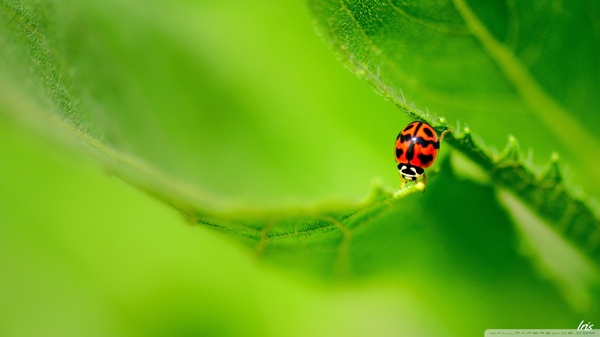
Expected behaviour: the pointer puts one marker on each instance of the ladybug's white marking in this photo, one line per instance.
(410, 172)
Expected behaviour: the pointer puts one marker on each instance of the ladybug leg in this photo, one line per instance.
(443, 134)
(424, 181)
(402, 180)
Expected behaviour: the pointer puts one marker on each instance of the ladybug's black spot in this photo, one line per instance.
(405, 138)
(410, 153)
(419, 125)
(425, 143)
(399, 153)
(428, 132)
(425, 158)
(409, 127)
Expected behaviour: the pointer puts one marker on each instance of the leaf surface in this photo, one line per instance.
(525, 69)
(236, 116)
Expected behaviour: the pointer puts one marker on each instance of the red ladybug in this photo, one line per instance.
(417, 148)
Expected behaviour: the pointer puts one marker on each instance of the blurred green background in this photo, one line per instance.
(241, 99)
(244, 106)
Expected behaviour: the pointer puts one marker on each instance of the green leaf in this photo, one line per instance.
(235, 115)
(472, 62)
(524, 65)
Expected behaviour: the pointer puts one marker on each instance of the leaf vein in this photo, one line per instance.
(548, 111)
(444, 28)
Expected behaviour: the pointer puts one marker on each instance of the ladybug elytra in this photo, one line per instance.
(417, 148)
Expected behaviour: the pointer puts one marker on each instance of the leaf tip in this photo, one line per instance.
(466, 137)
(443, 124)
(510, 154)
(552, 174)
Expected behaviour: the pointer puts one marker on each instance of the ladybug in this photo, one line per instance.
(417, 147)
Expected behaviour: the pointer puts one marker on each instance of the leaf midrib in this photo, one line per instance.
(545, 108)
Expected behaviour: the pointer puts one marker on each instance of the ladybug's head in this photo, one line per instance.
(410, 172)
